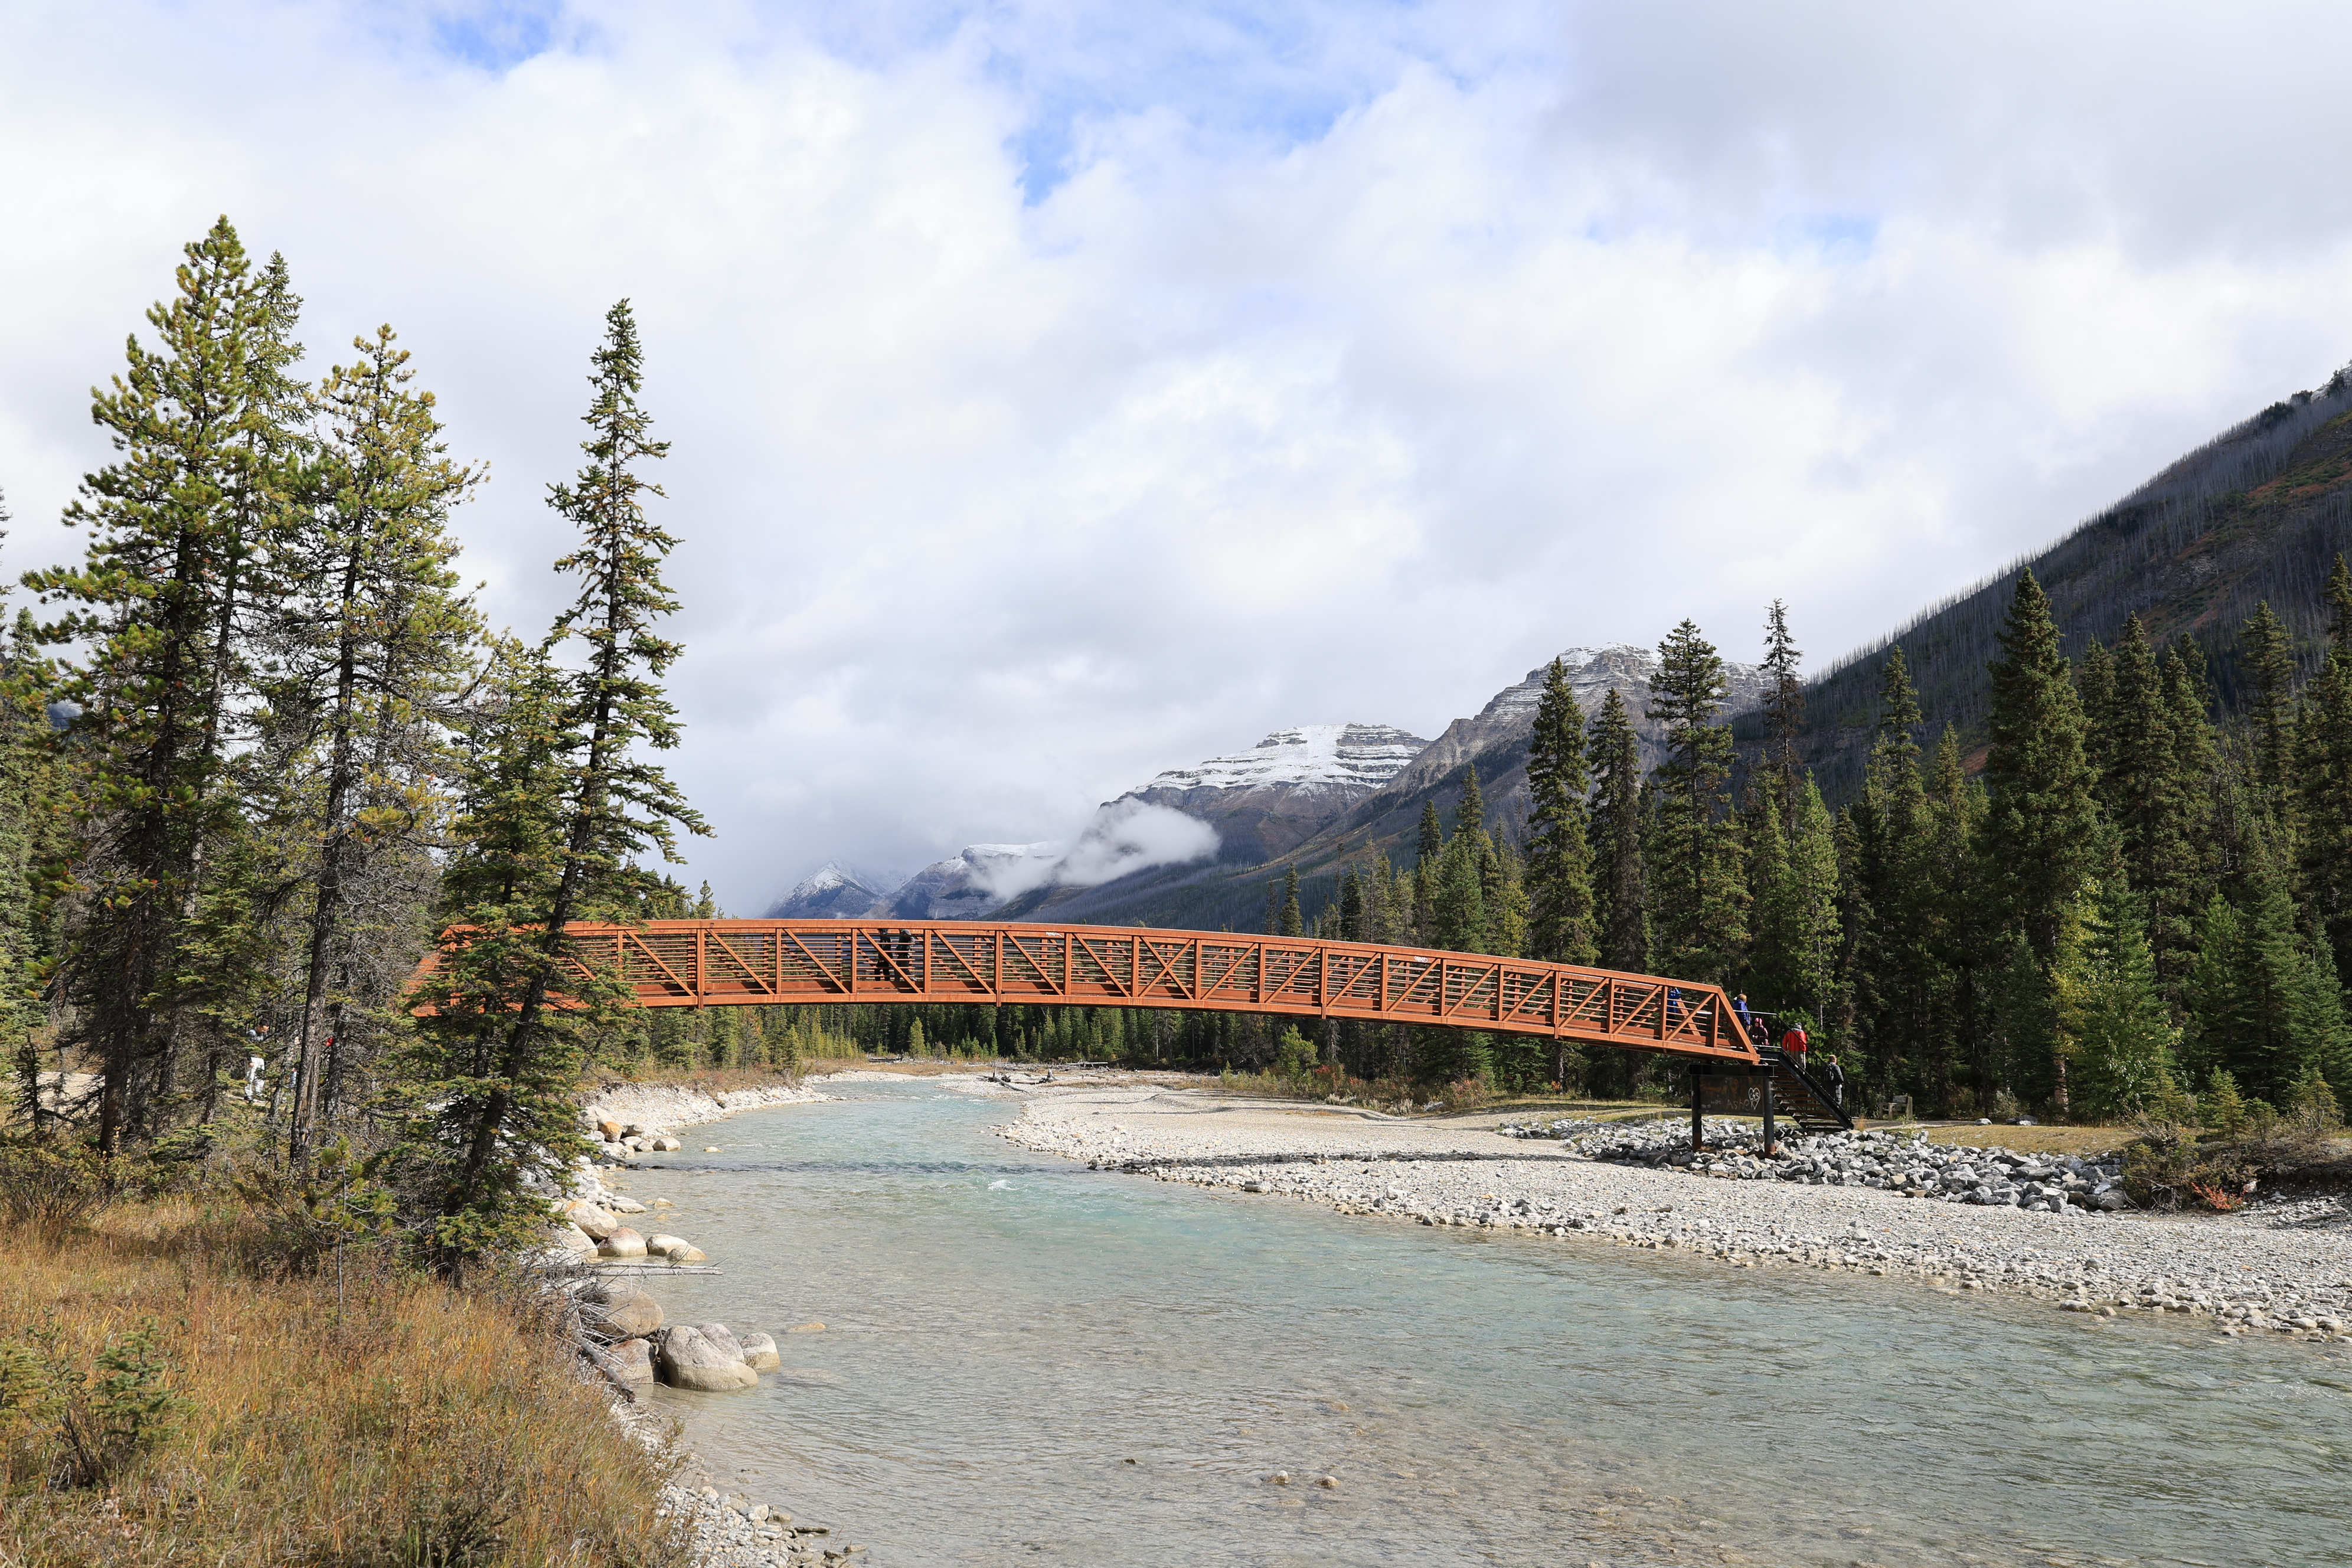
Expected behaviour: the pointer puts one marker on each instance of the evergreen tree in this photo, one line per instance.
(1698, 897)
(1960, 925)
(1502, 887)
(1559, 851)
(1457, 901)
(1470, 814)
(616, 803)
(2115, 1032)
(162, 971)
(1428, 850)
(1896, 1000)
(2267, 655)
(374, 639)
(2324, 778)
(460, 1070)
(2042, 823)
(1292, 922)
(1353, 920)
(1792, 961)
(2155, 784)
(33, 817)
(1621, 891)
(1784, 715)
(2262, 1004)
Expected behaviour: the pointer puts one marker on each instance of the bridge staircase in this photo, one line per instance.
(1802, 1099)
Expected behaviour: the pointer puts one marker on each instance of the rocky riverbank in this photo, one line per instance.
(687, 1104)
(2286, 1269)
(624, 1334)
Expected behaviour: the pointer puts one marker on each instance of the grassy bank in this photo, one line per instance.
(167, 1405)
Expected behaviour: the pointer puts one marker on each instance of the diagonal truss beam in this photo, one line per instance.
(723, 963)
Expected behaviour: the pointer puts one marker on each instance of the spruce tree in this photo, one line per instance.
(1559, 850)
(1292, 922)
(1620, 892)
(1457, 902)
(1502, 887)
(2266, 653)
(2042, 825)
(1960, 925)
(459, 1071)
(2155, 791)
(2115, 1033)
(1896, 970)
(2324, 780)
(1784, 714)
(2262, 1003)
(616, 802)
(374, 638)
(1470, 813)
(1793, 959)
(1696, 891)
(1428, 850)
(162, 971)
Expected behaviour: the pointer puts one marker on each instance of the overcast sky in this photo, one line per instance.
(1060, 392)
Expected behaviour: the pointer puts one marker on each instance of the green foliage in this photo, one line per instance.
(2042, 825)
(184, 530)
(1792, 961)
(92, 1422)
(1294, 1054)
(2113, 1032)
(1561, 913)
(1698, 895)
(2323, 779)
(1620, 894)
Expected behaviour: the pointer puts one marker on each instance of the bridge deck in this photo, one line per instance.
(742, 963)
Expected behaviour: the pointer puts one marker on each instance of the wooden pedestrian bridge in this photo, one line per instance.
(747, 963)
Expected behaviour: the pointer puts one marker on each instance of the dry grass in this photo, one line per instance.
(2029, 1140)
(384, 1419)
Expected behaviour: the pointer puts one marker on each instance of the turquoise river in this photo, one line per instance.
(1027, 1362)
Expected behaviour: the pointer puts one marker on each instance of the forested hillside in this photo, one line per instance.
(2255, 515)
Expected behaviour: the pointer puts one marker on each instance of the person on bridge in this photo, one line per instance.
(1834, 1075)
(1746, 1023)
(1794, 1045)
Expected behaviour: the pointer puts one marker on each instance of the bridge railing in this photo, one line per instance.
(716, 962)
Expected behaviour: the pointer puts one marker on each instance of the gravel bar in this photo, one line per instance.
(2282, 1267)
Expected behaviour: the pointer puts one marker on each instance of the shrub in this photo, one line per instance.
(48, 1189)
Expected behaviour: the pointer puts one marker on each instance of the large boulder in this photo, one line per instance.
(688, 1357)
(623, 1243)
(617, 1311)
(760, 1353)
(609, 1128)
(589, 1217)
(621, 1203)
(633, 1361)
(571, 1239)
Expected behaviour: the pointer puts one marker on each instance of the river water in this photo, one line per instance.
(1026, 1362)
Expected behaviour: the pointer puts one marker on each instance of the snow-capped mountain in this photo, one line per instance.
(966, 887)
(1284, 789)
(832, 892)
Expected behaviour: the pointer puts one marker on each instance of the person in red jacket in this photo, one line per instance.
(1794, 1044)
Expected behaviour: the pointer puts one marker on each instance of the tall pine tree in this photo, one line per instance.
(1621, 886)
(1560, 924)
(2042, 821)
(1698, 895)
(2324, 780)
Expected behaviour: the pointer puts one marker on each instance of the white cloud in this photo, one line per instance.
(1060, 393)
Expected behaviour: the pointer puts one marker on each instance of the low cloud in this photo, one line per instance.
(1125, 835)
(1129, 836)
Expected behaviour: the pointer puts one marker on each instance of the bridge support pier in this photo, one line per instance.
(1765, 1074)
(1698, 1110)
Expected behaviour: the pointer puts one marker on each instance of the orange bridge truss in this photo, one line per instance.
(729, 963)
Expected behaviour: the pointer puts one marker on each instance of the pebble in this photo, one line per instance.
(1986, 1220)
